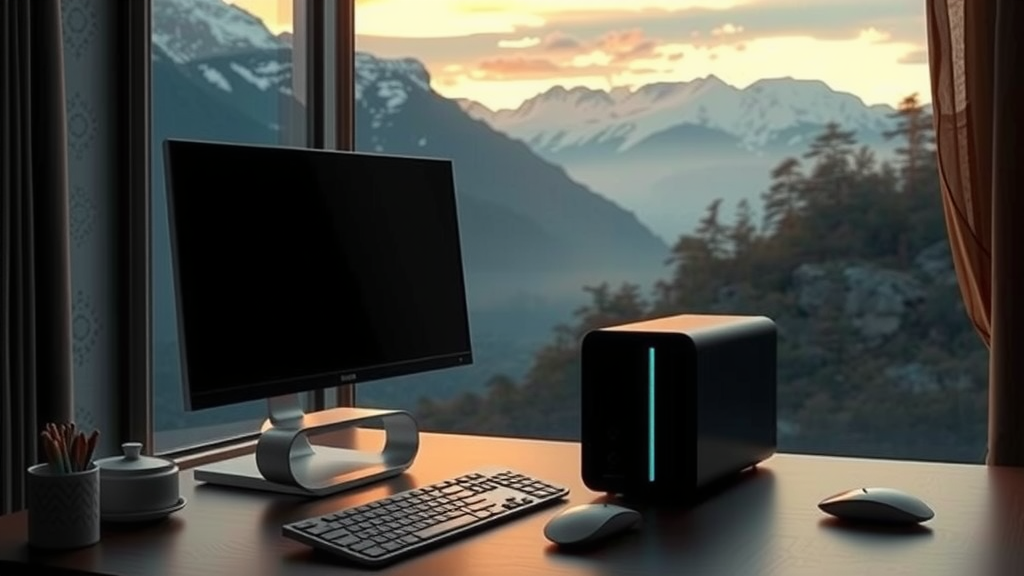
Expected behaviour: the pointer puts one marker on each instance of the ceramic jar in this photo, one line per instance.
(133, 484)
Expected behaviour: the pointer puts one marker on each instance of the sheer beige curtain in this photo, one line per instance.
(977, 72)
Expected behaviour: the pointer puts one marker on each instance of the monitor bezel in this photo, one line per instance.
(194, 400)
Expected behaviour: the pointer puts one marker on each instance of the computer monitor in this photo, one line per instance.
(300, 269)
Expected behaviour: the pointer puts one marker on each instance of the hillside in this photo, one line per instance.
(877, 356)
(577, 232)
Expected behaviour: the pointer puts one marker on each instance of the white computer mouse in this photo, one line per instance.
(590, 523)
(877, 505)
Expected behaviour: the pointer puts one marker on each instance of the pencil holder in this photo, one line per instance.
(63, 508)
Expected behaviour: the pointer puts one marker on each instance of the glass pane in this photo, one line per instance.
(643, 158)
(222, 71)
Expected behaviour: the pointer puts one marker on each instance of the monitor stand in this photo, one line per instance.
(286, 462)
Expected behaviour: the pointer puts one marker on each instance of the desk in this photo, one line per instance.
(766, 525)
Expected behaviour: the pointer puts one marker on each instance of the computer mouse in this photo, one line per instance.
(877, 505)
(590, 523)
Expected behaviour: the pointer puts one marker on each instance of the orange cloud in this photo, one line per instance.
(522, 68)
(558, 55)
(517, 68)
(625, 45)
(617, 45)
(556, 41)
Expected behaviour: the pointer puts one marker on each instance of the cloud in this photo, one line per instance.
(556, 41)
(919, 56)
(726, 30)
(869, 47)
(903, 20)
(520, 68)
(625, 45)
(519, 43)
(615, 45)
(517, 68)
(559, 55)
(455, 18)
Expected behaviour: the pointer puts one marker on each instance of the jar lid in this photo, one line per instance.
(133, 463)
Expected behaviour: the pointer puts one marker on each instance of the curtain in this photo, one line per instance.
(975, 58)
(35, 294)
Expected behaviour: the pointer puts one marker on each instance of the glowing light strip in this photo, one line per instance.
(650, 414)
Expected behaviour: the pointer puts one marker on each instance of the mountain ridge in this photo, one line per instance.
(561, 118)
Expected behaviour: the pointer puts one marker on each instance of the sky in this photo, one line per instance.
(501, 53)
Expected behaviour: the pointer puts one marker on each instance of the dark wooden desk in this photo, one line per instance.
(766, 525)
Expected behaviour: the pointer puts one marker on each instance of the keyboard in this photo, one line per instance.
(408, 523)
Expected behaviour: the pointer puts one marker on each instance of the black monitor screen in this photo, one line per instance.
(298, 269)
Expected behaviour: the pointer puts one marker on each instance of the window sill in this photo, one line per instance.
(214, 453)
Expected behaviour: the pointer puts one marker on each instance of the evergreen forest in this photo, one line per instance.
(849, 255)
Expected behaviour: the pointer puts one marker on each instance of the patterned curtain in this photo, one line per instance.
(35, 294)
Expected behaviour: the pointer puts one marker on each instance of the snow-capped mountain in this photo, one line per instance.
(759, 115)
(188, 30)
(383, 86)
(666, 150)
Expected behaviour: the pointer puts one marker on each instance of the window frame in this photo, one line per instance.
(343, 64)
(134, 406)
(330, 77)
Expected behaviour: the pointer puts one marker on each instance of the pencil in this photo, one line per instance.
(76, 453)
(65, 452)
(53, 451)
(91, 448)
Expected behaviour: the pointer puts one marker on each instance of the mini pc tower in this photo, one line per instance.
(673, 404)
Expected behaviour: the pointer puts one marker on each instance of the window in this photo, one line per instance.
(778, 156)
(227, 71)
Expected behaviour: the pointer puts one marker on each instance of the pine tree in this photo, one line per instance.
(711, 230)
(865, 163)
(743, 232)
(832, 152)
(784, 199)
(833, 147)
(697, 264)
(915, 129)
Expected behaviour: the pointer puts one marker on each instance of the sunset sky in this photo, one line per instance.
(503, 52)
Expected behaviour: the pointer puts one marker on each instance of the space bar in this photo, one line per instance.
(446, 526)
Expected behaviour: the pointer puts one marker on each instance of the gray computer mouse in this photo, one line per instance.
(590, 523)
(877, 505)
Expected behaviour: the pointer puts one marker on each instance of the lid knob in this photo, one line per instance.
(132, 450)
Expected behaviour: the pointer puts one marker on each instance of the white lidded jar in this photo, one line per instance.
(133, 484)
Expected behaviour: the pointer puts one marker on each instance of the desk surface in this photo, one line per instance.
(765, 525)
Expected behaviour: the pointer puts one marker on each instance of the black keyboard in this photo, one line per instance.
(408, 523)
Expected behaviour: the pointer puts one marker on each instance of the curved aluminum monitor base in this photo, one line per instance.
(286, 462)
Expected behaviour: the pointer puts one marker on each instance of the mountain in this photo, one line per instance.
(187, 30)
(665, 150)
(769, 112)
(528, 215)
